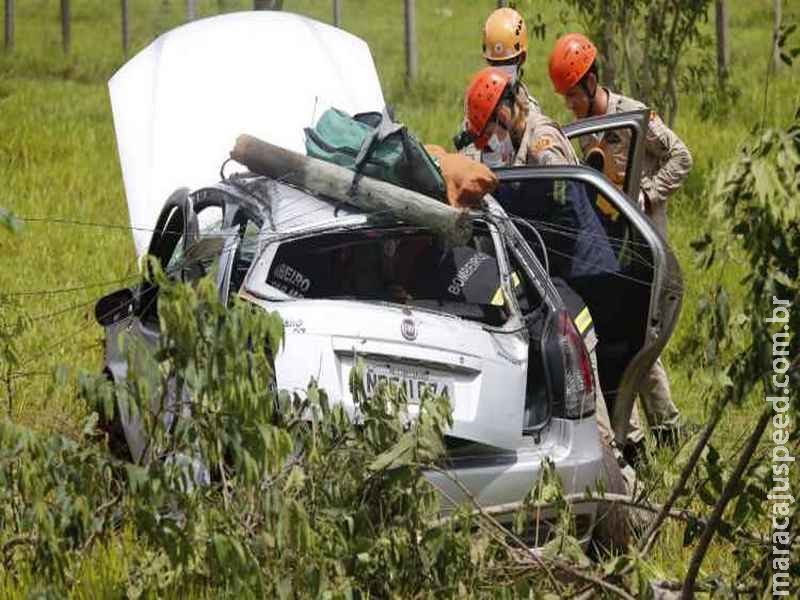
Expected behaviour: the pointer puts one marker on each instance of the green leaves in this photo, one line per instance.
(240, 488)
(756, 220)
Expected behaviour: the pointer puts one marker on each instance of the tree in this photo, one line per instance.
(643, 44)
(411, 42)
(723, 51)
(776, 33)
(124, 21)
(755, 218)
(66, 26)
(9, 25)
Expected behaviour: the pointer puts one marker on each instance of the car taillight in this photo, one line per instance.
(571, 378)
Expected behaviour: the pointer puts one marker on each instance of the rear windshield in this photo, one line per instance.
(409, 266)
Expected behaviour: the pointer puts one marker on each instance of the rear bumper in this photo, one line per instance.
(507, 477)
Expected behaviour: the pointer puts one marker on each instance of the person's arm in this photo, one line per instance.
(549, 148)
(674, 161)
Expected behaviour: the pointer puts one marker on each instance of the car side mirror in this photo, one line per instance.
(114, 307)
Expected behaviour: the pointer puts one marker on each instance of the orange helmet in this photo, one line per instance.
(571, 58)
(482, 97)
(504, 35)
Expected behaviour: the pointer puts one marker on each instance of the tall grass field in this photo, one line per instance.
(59, 173)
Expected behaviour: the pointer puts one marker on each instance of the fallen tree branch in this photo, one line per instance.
(727, 493)
(532, 554)
(649, 537)
(707, 586)
(680, 514)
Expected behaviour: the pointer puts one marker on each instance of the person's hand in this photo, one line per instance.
(468, 181)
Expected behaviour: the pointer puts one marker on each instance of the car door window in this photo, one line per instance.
(559, 212)
(614, 146)
(248, 228)
(209, 222)
(175, 233)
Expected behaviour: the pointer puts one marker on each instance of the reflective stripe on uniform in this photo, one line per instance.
(584, 320)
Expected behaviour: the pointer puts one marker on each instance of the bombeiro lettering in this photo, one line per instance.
(464, 273)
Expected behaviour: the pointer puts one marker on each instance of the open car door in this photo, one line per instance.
(608, 251)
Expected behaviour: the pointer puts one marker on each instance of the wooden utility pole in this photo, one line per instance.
(502, 3)
(776, 33)
(411, 43)
(267, 4)
(723, 52)
(9, 25)
(124, 20)
(337, 13)
(191, 10)
(333, 181)
(609, 60)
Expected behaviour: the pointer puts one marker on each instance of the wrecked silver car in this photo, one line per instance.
(482, 322)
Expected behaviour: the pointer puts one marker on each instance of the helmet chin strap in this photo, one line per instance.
(590, 95)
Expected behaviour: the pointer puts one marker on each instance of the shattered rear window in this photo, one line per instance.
(402, 265)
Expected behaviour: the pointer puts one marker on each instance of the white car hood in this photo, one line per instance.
(179, 104)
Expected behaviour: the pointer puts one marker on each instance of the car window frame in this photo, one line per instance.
(636, 120)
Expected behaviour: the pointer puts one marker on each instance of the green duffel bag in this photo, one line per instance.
(371, 144)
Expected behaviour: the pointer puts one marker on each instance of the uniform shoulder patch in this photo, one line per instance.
(542, 144)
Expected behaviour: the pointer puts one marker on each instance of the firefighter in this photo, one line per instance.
(505, 132)
(503, 128)
(505, 46)
(667, 161)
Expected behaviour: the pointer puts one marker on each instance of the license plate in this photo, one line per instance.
(416, 381)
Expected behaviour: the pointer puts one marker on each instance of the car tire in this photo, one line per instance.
(612, 530)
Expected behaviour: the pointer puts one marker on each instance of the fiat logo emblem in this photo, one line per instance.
(409, 329)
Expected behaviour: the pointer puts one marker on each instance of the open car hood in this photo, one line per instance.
(179, 104)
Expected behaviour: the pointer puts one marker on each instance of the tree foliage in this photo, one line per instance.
(245, 489)
(644, 43)
(756, 211)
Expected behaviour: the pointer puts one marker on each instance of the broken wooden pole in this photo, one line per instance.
(369, 194)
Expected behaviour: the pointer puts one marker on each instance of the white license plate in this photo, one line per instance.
(415, 380)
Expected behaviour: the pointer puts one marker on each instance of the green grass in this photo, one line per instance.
(58, 160)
